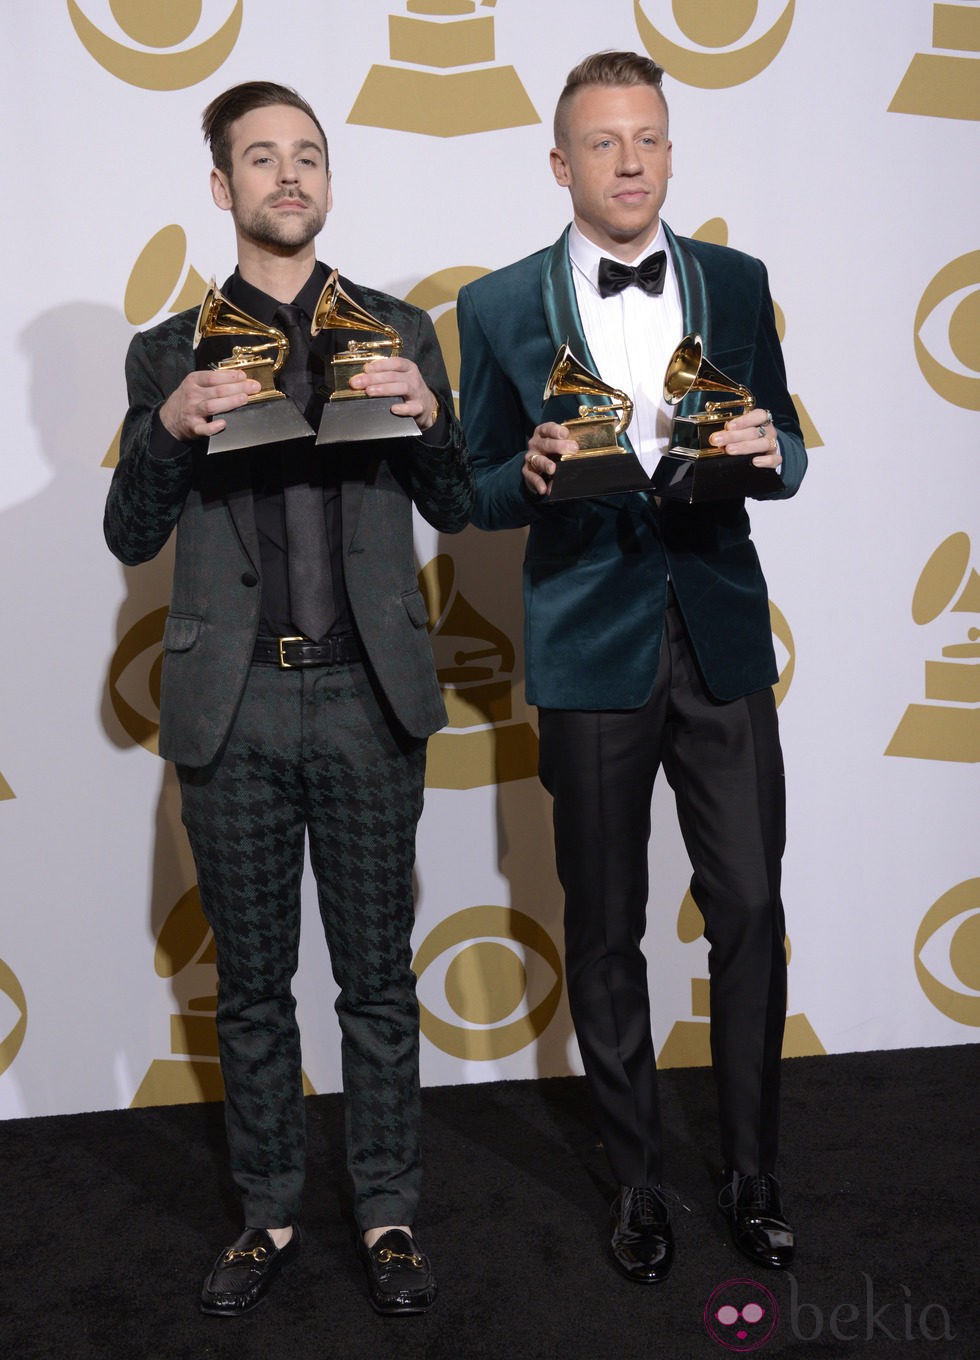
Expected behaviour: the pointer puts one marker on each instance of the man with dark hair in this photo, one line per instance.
(648, 639)
(225, 109)
(297, 694)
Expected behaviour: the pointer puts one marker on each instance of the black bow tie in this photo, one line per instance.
(649, 275)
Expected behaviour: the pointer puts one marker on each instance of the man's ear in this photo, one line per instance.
(559, 167)
(220, 188)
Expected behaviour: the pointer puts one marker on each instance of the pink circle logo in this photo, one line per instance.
(741, 1315)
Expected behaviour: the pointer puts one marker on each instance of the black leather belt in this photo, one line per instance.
(290, 653)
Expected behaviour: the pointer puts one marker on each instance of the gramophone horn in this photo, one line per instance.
(570, 377)
(218, 316)
(689, 371)
(337, 310)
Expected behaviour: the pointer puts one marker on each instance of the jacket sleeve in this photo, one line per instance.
(440, 475)
(769, 387)
(153, 476)
(497, 426)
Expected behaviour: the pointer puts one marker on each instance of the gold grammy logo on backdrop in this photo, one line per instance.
(945, 83)
(500, 973)
(159, 278)
(134, 679)
(158, 26)
(715, 24)
(715, 230)
(447, 102)
(185, 955)
(783, 636)
(437, 295)
(10, 1044)
(948, 726)
(689, 1042)
(474, 660)
(954, 951)
(956, 287)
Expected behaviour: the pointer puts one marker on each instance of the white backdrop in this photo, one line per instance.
(837, 144)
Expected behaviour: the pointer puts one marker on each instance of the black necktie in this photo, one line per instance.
(310, 584)
(649, 275)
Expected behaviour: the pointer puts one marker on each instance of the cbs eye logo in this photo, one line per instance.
(159, 26)
(714, 24)
(947, 953)
(498, 971)
(741, 1315)
(948, 319)
(134, 679)
(11, 989)
(437, 295)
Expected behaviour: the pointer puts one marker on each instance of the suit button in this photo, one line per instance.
(249, 578)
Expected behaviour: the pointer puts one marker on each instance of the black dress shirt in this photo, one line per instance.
(275, 464)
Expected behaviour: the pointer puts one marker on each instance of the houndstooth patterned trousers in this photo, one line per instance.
(312, 752)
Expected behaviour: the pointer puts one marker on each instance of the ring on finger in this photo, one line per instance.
(761, 431)
(768, 417)
(775, 443)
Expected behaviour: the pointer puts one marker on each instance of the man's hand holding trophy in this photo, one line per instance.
(601, 465)
(270, 415)
(696, 466)
(350, 414)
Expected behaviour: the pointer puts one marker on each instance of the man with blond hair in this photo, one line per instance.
(648, 640)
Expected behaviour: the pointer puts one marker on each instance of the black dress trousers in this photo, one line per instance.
(724, 764)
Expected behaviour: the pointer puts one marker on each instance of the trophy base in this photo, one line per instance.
(721, 476)
(346, 422)
(601, 474)
(260, 422)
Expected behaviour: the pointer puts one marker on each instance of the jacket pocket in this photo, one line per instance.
(180, 632)
(415, 608)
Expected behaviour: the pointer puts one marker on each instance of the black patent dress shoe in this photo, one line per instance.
(243, 1273)
(752, 1206)
(642, 1240)
(399, 1276)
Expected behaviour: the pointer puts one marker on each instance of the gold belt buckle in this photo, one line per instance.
(283, 663)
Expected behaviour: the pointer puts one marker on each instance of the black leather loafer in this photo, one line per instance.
(642, 1240)
(399, 1275)
(243, 1273)
(752, 1206)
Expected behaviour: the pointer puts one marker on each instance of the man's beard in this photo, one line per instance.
(268, 228)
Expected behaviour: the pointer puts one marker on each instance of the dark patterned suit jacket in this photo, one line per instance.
(214, 610)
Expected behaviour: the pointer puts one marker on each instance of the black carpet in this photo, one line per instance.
(111, 1221)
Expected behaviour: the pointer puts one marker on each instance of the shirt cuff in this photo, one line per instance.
(162, 443)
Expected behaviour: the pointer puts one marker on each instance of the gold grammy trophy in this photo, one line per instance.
(269, 416)
(601, 466)
(351, 415)
(692, 469)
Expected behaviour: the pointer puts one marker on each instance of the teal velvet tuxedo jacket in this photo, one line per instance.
(214, 610)
(596, 571)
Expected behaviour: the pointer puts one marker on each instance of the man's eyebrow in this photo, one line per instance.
(304, 144)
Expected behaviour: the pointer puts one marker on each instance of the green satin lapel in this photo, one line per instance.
(694, 303)
(561, 312)
(560, 304)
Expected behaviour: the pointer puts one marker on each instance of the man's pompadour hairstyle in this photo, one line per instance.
(605, 68)
(227, 108)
